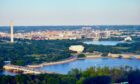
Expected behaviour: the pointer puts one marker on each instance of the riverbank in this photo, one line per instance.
(125, 56)
(63, 62)
(62, 65)
(91, 57)
(52, 63)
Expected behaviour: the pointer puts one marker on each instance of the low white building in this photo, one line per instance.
(128, 38)
(77, 48)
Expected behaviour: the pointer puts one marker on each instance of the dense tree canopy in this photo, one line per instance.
(29, 51)
(92, 75)
(25, 52)
(132, 47)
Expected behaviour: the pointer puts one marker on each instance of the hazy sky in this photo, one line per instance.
(70, 12)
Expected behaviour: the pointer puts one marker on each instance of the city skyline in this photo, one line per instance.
(69, 12)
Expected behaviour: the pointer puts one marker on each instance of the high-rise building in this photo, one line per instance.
(12, 32)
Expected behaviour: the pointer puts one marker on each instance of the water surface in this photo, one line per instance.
(103, 42)
(86, 63)
(7, 73)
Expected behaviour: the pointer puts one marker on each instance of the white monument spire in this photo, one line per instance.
(12, 32)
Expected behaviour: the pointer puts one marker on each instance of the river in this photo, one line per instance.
(86, 63)
(83, 64)
(112, 43)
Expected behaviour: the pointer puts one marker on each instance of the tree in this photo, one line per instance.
(105, 54)
(97, 80)
(1, 62)
(134, 77)
(75, 72)
(81, 56)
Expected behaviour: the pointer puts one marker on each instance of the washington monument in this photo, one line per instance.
(12, 32)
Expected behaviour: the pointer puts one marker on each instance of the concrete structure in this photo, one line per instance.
(53, 63)
(77, 48)
(127, 56)
(12, 32)
(25, 70)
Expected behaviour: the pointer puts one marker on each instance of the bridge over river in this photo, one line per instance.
(25, 70)
(130, 55)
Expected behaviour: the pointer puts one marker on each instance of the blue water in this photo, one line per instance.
(83, 64)
(86, 63)
(112, 43)
(7, 73)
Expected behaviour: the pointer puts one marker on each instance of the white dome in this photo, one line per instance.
(77, 48)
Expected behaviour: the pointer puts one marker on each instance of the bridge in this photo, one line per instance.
(25, 70)
(137, 56)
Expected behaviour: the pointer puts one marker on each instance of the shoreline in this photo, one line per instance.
(62, 62)
(52, 63)
(37, 66)
(75, 58)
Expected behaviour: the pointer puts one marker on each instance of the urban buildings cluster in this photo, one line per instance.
(84, 32)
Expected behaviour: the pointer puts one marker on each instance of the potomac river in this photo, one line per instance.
(112, 43)
(83, 64)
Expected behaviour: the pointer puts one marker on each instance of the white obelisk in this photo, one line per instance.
(12, 32)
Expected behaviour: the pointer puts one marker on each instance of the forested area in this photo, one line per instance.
(90, 76)
(133, 47)
(25, 52)
(30, 51)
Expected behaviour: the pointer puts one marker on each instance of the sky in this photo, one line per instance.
(70, 12)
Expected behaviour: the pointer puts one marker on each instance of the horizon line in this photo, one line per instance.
(77, 25)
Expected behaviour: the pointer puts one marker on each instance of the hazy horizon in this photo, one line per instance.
(66, 25)
(69, 12)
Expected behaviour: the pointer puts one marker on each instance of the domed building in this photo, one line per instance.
(77, 48)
